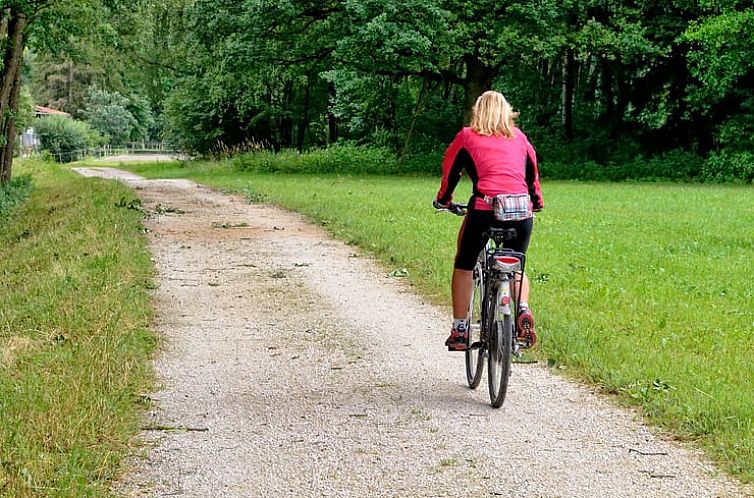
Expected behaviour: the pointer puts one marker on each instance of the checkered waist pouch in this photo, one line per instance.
(510, 207)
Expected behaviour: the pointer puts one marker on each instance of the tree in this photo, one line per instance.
(458, 42)
(152, 50)
(47, 26)
(606, 81)
(63, 83)
(252, 72)
(722, 62)
(144, 127)
(120, 119)
(13, 30)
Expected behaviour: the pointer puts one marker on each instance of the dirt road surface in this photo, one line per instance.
(140, 158)
(292, 366)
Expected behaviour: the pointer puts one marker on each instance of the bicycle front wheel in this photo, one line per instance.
(500, 335)
(475, 357)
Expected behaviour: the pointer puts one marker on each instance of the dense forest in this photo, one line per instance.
(598, 82)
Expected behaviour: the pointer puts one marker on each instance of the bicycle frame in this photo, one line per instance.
(499, 269)
(493, 311)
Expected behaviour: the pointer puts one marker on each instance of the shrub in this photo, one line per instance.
(426, 163)
(66, 139)
(348, 158)
(341, 158)
(577, 170)
(13, 193)
(596, 145)
(729, 166)
(675, 165)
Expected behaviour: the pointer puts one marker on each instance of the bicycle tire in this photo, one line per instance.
(500, 335)
(475, 357)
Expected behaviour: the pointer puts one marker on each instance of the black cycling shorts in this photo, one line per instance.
(471, 241)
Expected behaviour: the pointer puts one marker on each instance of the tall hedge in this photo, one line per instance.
(66, 139)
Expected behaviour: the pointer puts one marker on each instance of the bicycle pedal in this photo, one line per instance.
(458, 350)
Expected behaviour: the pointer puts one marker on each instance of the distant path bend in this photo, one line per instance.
(155, 157)
(293, 366)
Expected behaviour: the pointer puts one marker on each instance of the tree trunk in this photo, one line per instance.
(286, 121)
(10, 83)
(540, 90)
(391, 84)
(622, 102)
(303, 123)
(420, 101)
(478, 80)
(69, 103)
(608, 96)
(447, 90)
(10, 132)
(567, 94)
(702, 131)
(332, 122)
(4, 19)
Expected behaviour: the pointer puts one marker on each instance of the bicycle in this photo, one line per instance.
(493, 311)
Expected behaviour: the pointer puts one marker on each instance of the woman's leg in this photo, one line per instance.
(469, 245)
(461, 291)
(521, 244)
(524, 287)
(470, 242)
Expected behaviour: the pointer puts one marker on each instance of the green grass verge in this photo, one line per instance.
(74, 338)
(644, 289)
(13, 193)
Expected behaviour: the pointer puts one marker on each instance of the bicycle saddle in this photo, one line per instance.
(500, 235)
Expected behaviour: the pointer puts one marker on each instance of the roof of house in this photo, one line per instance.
(49, 111)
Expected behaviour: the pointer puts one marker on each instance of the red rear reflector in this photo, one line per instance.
(507, 260)
(505, 300)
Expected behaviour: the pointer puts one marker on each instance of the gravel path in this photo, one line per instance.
(131, 158)
(292, 366)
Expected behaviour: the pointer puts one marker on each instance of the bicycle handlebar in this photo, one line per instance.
(456, 209)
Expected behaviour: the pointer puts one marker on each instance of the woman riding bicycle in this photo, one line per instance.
(500, 162)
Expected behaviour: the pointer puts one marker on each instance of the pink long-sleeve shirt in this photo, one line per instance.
(495, 164)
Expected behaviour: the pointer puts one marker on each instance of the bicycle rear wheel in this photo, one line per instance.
(499, 335)
(475, 357)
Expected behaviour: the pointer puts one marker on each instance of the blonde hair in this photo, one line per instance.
(493, 115)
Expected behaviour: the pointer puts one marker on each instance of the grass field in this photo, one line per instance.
(74, 339)
(644, 289)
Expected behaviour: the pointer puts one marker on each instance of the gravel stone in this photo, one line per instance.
(293, 366)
